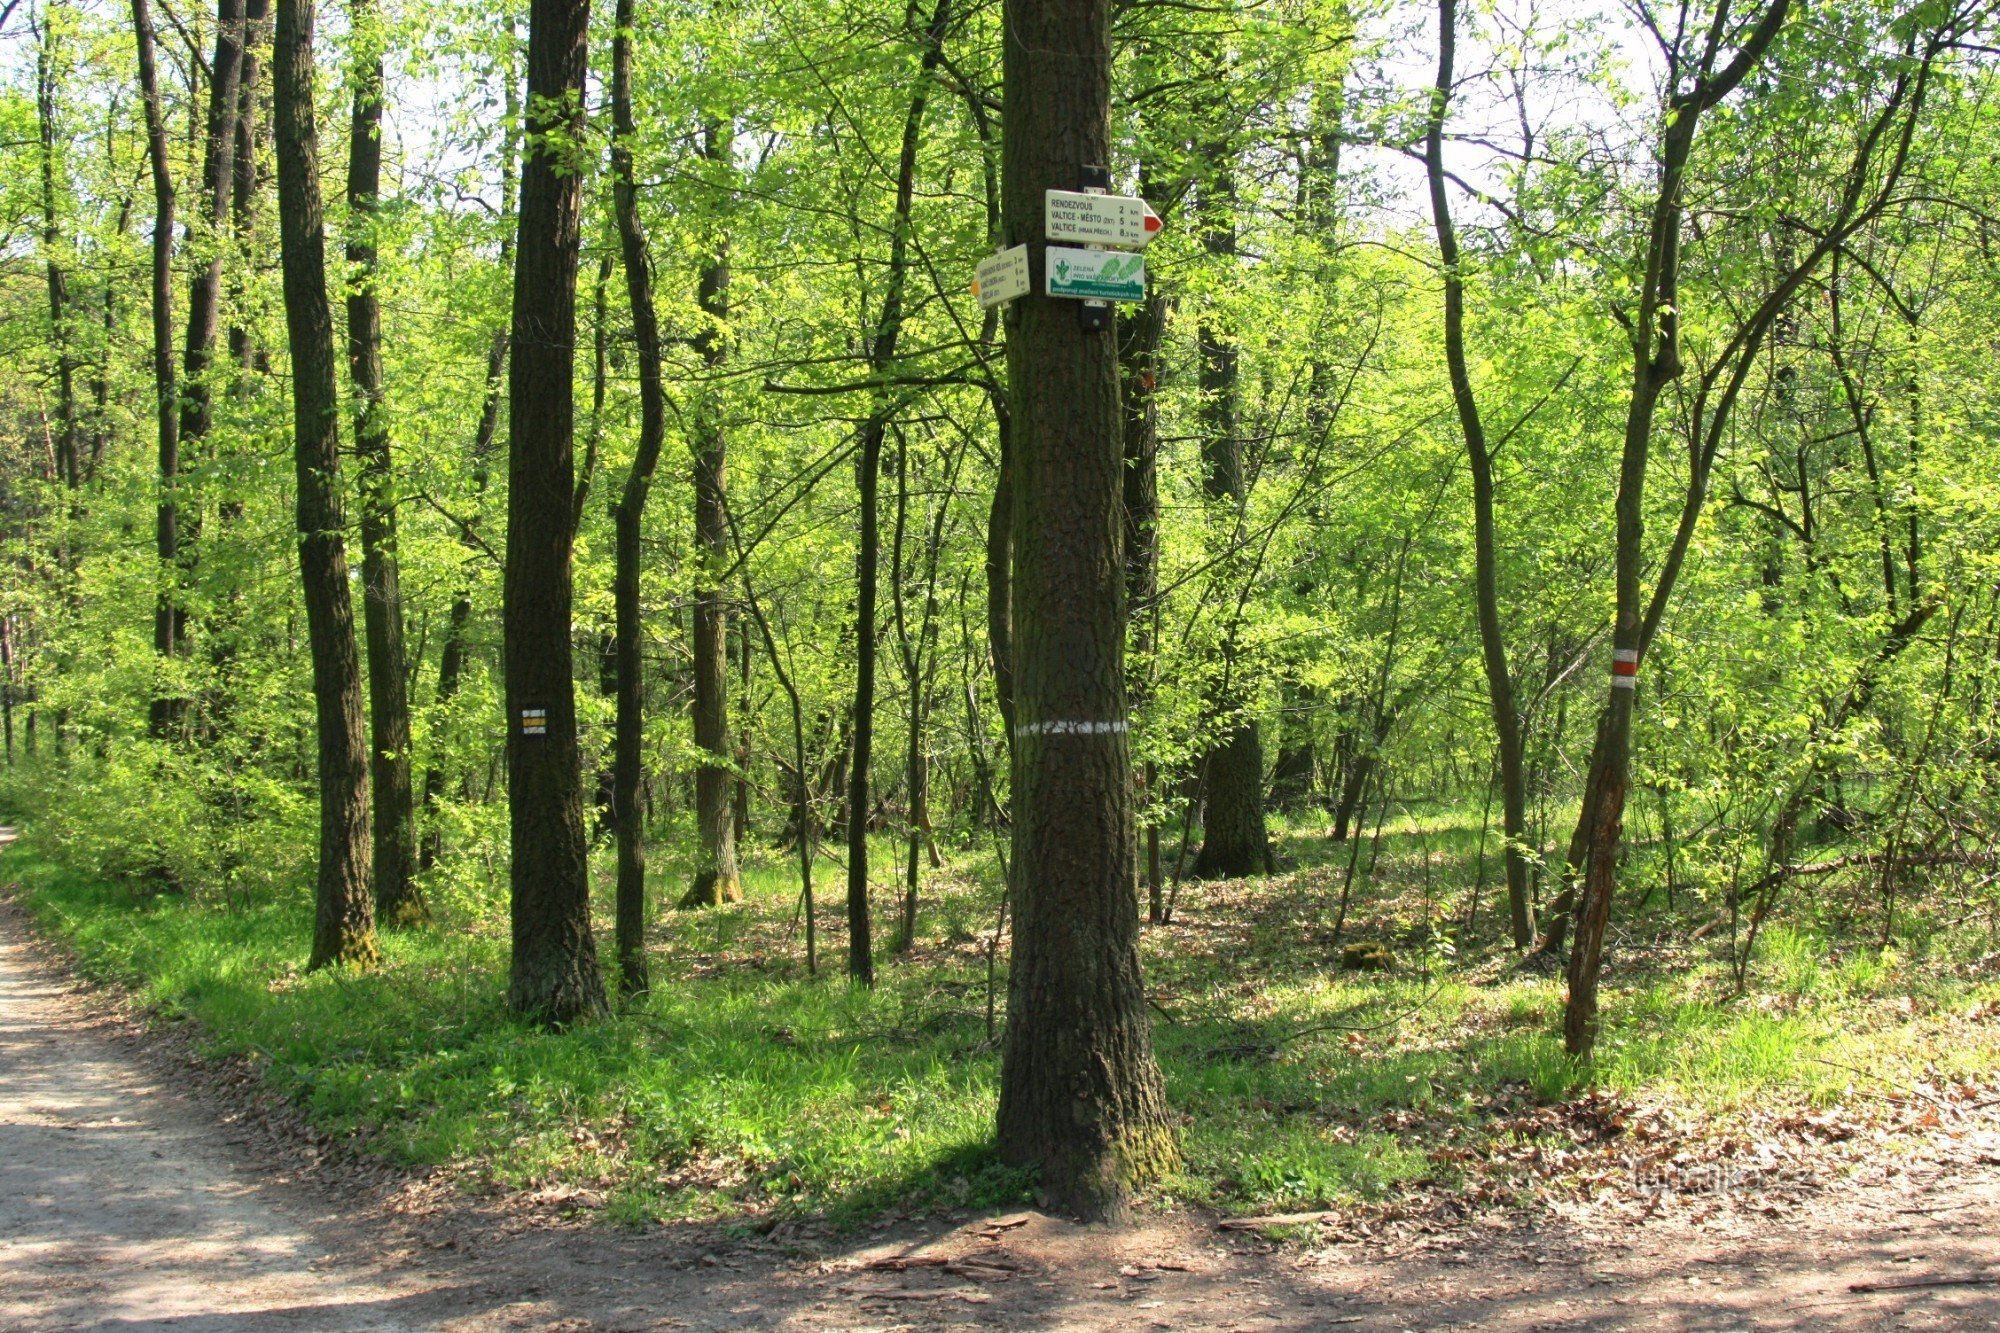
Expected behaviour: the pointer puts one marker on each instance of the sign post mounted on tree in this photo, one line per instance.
(1081, 1100)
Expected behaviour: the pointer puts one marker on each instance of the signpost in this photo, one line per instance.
(1100, 219)
(1002, 277)
(1096, 275)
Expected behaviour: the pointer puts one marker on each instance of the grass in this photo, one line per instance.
(741, 1088)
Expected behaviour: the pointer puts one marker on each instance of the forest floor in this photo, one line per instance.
(142, 1186)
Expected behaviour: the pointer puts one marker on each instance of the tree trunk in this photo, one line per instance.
(1081, 1099)
(715, 877)
(554, 977)
(166, 709)
(218, 181)
(628, 743)
(344, 926)
(69, 463)
(398, 901)
(243, 189)
(1486, 576)
(1234, 839)
(1140, 331)
(881, 359)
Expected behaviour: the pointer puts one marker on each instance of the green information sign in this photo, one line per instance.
(1096, 275)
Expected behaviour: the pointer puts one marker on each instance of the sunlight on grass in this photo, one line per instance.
(743, 1087)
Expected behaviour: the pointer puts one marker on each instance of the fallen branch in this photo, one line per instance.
(1274, 1220)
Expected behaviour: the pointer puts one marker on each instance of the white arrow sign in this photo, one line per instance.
(1102, 219)
(1002, 277)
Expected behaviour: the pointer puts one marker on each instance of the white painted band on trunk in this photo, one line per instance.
(1624, 682)
(1624, 654)
(1069, 728)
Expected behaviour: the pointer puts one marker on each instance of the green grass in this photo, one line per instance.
(743, 1088)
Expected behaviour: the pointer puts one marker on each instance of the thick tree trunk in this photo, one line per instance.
(344, 923)
(554, 977)
(166, 708)
(1081, 1099)
(628, 743)
(1486, 576)
(1234, 838)
(398, 901)
(715, 877)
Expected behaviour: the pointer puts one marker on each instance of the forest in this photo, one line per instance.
(545, 610)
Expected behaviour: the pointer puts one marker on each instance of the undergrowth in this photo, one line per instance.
(743, 1089)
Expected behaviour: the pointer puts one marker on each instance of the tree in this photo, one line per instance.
(165, 708)
(397, 899)
(1486, 560)
(1081, 1100)
(344, 920)
(555, 977)
(628, 813)
(715, 877)
(1234, 839)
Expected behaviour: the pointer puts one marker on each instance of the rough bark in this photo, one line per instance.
(1081, 1099)
(167, 707)
(398, 901)
(344, 920)
(628, 742)
(1485, 559)
(554, 978)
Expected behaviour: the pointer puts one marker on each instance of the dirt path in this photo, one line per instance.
(133, 1196)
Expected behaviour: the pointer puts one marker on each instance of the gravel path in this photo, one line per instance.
(135, 1195)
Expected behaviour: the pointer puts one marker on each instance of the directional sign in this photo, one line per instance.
(1002, 277)
(1096, 275)
(1103, 219)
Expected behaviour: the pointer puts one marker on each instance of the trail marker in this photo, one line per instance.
(1002, 277)
(1096, 275)
(1101, 219)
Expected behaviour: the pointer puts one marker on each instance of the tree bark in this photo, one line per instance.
(554, 978)
(627, 764)
(398, 901)
(165, 712)
(1485, 559)
(344, 922)
(1081, 1099)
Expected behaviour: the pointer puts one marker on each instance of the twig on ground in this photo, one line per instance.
(1274, 1220)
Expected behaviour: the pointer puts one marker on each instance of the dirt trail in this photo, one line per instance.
(133, 1197)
